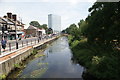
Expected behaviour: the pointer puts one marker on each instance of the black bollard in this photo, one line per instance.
(16, 45)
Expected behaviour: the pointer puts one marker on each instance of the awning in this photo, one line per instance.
(17, 32)
(0, 32)
(20, 32)
(12, 32)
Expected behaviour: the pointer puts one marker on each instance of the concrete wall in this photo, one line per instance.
(8, 65)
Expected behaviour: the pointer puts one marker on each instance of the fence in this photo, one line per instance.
(11, 46)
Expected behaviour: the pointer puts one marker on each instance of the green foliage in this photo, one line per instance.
(93, 43)
(98, 62)
(103, 23)
(44, 26)
(49, 31)
(74, 43)
(101, 26)
(39, 55)
(73, 30)
(83, 27)
(34, 51)
(17, 65)
(79, 23)
(35, 23)
(105, 68)
(37, 73)
(70, 38)
(2, 77)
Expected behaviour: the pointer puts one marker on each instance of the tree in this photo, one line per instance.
(74, 31)
(64, 31)
(49, 31)
(82, 27)
(44, 26)
(103, 23)
(79, 23)
(35, 23)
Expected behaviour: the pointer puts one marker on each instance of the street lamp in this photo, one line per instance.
(15, 19)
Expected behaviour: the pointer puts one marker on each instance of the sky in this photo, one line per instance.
(71, 11)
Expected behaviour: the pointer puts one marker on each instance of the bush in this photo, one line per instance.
(74, 43)
(101, 62)
(105, 68)
(70, 39)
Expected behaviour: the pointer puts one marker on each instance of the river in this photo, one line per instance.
(56, 63)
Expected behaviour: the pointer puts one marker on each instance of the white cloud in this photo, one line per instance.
(70, 13)
(72, 1)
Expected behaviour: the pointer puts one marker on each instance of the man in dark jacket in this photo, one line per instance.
(3, 42)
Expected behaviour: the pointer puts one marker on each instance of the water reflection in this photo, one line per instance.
(56, 63)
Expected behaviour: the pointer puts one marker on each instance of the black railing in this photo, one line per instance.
(11, 46)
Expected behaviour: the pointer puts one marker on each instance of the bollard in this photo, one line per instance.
(22, 43)
(27, 43)
(35, 41)
(38, 40)
(31, 42)
(9, 46)
(16, 45)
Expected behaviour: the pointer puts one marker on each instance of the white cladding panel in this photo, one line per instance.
(54, 22)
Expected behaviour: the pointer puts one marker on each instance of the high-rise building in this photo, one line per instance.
(54, 22)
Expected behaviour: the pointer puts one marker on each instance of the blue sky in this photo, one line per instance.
(71, 11)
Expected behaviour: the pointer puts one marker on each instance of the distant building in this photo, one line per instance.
(34, 31)
(54, 22)
(42, 31)
(31, 31)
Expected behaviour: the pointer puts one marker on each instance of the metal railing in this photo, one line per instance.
(11, 46)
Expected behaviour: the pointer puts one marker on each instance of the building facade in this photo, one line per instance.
(7, 27)
(32, 31)
(54, 22)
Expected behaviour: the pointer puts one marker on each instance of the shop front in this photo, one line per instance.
(12, 35)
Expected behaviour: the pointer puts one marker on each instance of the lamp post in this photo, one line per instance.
(16, 35)
(15, 19)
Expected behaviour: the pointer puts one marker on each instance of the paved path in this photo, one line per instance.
(14, 53)
(10, 41)
(11, 44)
(8, 54)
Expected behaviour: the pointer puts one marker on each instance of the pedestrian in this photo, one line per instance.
(3, 42)
(39, 37)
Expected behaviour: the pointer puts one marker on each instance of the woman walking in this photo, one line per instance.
(3, 42)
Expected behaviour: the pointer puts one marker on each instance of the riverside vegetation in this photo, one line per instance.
(19, 67)
(95, 42)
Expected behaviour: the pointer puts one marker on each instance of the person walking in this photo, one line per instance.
(3, 42)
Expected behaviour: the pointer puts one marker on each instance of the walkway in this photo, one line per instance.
(9, 54)
(6, 57)
(11, 45)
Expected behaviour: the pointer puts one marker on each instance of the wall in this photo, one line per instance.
(8, 65)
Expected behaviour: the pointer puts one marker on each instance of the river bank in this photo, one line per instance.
(99, 61)
(56, 62)
(14, 60)
(18, 69)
